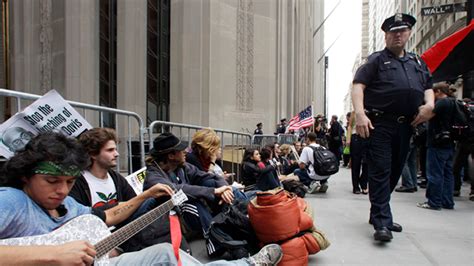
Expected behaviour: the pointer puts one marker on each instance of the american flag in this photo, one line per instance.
(302, 119)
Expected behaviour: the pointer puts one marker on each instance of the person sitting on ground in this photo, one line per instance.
(306, 173)
(298, 148)
(205, 147)
(34, 200)
(290, 164)
(100, 186)
(166, 164)
(257, 177)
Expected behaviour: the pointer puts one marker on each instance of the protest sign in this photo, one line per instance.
(49, 113)
(136, 180)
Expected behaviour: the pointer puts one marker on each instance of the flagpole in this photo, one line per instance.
(312, 114)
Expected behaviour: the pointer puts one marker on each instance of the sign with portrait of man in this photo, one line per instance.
(49, 113)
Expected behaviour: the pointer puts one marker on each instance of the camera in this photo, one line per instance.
(442, 138)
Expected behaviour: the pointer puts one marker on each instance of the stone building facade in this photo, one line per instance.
(220, 63)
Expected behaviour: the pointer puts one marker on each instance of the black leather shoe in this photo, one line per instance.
(405, 189)
(383, 234)
(394, 228)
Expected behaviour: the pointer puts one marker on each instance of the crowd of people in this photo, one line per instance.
(399, 125)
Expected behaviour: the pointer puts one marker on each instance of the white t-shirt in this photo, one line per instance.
(307, 157)
(102, 190)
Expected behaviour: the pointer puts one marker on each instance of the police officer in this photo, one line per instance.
(391, 93)
(281, 128)
(258, 130)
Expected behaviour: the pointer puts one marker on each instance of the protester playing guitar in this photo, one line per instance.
(34, 201)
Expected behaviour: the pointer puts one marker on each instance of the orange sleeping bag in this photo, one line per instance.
(279, 217)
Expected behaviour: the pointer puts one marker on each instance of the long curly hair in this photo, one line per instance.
(49, 146)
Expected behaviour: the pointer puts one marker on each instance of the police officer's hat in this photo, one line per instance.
(398, 21)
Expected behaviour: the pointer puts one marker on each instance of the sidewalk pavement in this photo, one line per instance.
(429, 237)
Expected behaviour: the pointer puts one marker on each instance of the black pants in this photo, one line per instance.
(386, 155)
(358, 162)
(463, 150)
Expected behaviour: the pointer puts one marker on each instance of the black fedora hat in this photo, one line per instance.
(167, 142)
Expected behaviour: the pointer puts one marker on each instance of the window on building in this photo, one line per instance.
(108, 58)
(158, 60)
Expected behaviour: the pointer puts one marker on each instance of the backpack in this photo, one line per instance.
(325, 162)
(461, 122)
(295, 187)
(230, 235)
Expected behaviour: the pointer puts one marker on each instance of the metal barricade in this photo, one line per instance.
(94, 114)
(233, 143)
(269, 140)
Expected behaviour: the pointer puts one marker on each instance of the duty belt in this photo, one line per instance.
(377, 114)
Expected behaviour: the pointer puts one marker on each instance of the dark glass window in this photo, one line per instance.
(108, 58)
(158, 39)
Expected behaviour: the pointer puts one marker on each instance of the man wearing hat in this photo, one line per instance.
(167, 165)
(281, 128)
(391, 93)
(258, 130)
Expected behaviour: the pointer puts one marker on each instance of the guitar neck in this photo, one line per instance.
(129, 230)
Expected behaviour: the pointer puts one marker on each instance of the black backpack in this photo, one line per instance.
(325, 162)
(294, 186)
(230, 235)
(461, 123)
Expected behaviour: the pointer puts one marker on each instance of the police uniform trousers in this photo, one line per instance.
(388, 147)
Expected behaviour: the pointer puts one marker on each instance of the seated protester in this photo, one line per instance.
(272, 178)
(205, 147)
(99, 186)
(216, 167)
(34, 200)
(288, 160)
(253, 176)
(167, 165)
(276, 156)
(306, 172)
(298, 148)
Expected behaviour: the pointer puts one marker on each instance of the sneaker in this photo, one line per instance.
(313, 187)
(324, 187)
(471, 196)
(426, 205)
(268, 255)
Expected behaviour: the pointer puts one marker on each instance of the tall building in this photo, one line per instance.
(431, 29)
(379, 10)
(427, 31)
(223, 64)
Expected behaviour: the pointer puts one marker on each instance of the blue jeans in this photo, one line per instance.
(439, 190)
(409, 179)
(162, 254)
(303, 175)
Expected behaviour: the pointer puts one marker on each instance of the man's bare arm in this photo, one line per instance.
(72, 253)
(425, 112)
(363, 123)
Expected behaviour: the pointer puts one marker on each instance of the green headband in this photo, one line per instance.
(54, 169)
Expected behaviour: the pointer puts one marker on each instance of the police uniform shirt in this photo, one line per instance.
(394, 85)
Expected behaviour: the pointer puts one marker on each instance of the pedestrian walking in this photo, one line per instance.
(391, 93)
